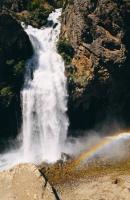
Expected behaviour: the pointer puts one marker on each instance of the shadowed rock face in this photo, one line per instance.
(15, 49)
(25, 182)
(98, 77)
(13, 36)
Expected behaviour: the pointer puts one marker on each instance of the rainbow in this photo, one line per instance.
(105, 141)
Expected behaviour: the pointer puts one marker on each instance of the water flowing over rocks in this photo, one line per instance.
(98, 75)
(44, 96)
(43, 101)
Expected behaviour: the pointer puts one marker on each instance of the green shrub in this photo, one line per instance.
(6, 95)
(19, 68)
(14, 73)
(10, 62)
(32, 5)
(65, 50)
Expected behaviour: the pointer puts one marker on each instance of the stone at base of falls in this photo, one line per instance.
(24, 182)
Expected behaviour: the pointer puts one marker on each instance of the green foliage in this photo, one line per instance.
(32, 5)
(38, 13)
(37, 4)
(65, 50)
(19, 68)
(6, 95)
(10, 62)
(14, 73)
(40, 16)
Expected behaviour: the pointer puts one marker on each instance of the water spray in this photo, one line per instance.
(99, 146)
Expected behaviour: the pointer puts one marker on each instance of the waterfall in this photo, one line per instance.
(43, 99)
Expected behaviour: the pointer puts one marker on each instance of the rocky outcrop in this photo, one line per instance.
(98, 75)
(15, 49)
(25, 182)
(31, 12)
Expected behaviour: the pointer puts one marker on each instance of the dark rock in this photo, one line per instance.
(15, 49)
(13, 36)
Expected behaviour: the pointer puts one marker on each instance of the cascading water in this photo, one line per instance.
(44, 104)
(44, 96)
(44, 100)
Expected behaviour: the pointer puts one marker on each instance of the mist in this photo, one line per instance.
(100, 147)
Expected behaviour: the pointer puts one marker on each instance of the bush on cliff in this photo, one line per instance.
(66, 50)
(6, 95)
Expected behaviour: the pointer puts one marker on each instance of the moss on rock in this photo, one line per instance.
(65, 50)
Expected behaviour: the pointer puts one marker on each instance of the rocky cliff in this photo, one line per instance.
(98, 72)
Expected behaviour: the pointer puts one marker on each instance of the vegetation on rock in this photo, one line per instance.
(66, 50)
(37, 12)
(32, 12)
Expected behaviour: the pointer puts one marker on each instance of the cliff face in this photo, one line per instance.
(15, 49)
(98, 75)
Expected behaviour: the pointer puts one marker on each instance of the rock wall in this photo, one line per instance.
(98, 75)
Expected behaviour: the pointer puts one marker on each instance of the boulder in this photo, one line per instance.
(25, 182)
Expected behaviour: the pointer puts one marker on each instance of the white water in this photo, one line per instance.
(45, 97)
(44, 100)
